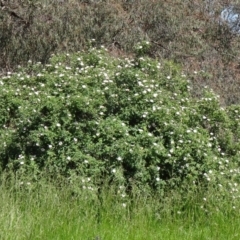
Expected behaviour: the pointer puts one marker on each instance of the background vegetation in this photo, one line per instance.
(182, 31)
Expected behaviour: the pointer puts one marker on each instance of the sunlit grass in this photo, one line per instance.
(47, 212)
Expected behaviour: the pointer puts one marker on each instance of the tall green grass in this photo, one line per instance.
(45, 211)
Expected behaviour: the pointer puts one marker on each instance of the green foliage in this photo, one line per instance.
(88, 117)
(142, 49)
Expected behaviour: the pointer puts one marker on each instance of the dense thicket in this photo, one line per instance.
(88, 117)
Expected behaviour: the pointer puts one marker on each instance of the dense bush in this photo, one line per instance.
(89, 117)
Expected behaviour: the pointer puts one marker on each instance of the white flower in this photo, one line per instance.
(157, 179)
(124, 205)
(119, 158)
(114, 170)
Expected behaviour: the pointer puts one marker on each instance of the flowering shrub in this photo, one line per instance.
(90, 117)
(142, 48)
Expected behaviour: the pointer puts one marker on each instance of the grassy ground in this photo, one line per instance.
(50, 213)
